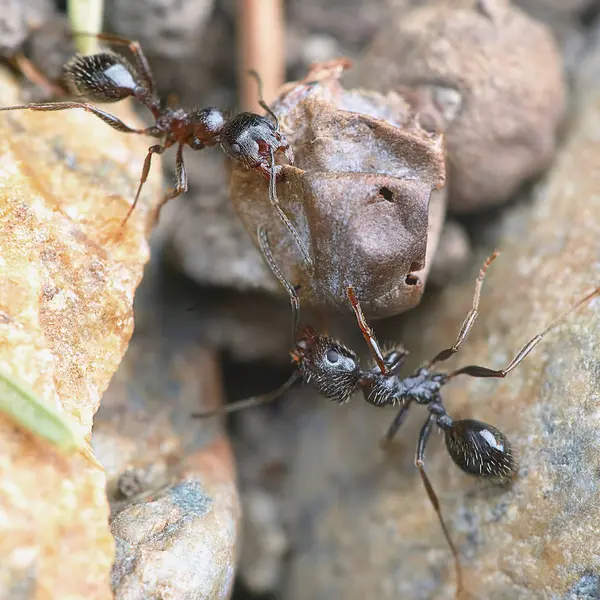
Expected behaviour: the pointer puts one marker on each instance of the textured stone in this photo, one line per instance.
(171, 480)
(66, 291)
(18, 19)
(364, 527)
(487, 75)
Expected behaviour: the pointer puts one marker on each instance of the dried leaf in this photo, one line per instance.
(359, 194)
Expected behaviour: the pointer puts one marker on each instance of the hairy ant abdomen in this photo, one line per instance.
(103, 77)
(480, 449)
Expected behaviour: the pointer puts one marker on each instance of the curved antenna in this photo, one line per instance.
(265, 248)
(250, 402)
(261, 101)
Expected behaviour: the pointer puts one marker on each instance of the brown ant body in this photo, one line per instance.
(251, 139)
(334, 371)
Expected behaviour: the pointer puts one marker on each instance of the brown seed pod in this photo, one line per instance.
(487, 75)
(359, 194)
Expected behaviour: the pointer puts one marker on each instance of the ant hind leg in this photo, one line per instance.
(109, 119)
(420, 464)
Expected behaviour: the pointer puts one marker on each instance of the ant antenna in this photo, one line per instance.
(289, 288)
(367, 332)
(261, 100)
(250, 402)
(471, 315)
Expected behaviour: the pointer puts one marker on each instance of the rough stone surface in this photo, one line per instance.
(487, 75)
(66, 293)
(358, 194)
(364, 525)
(171, 480)
(18, 19)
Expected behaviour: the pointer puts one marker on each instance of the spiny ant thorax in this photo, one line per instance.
(207, 124)
(102, 77)
(332, 369)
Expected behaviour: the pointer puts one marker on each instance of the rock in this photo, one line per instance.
(66, 290)
(358, 195)
(452, 256)
(171, 479)
(180, 541)
(18, 19)
(487, 75)
(544, 8)
(358, 511)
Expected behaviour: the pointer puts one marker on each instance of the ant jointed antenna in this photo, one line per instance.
(251, 139)
(333, 370)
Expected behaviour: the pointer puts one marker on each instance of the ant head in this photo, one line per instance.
(250, 138)
(332, 369)
(207, 124)
(103, 77)
(480, 449)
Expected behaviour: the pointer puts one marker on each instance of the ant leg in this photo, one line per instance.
(289, 288)
(395, 426)
(420, 464)
(275, 203)
(367, 332)
(181, 180)
(477, 371)
(140, 58)
(250, 402)
(109, 119)
(145, 170)
(469, 319)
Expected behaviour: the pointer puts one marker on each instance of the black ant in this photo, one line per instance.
(334, 371)
(248, 138)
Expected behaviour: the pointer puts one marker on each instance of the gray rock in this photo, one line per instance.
(170, 479)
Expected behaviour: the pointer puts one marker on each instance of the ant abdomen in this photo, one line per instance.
(103, 77)
(480, 449)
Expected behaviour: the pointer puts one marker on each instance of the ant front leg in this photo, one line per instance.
(395, 426)
(109, 119)
(420, 464)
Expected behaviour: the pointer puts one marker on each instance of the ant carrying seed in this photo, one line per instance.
(247, 137)
(333, 370)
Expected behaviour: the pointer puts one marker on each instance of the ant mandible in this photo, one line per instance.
(333, 370)
(248, 138)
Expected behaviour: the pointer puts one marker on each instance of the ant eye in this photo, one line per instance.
(235, 148)
(480, 449)
(332, 356)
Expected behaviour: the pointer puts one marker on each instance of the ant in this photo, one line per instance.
(247, 137)
(333, 370)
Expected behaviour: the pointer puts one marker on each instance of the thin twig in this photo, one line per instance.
(261, 46)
